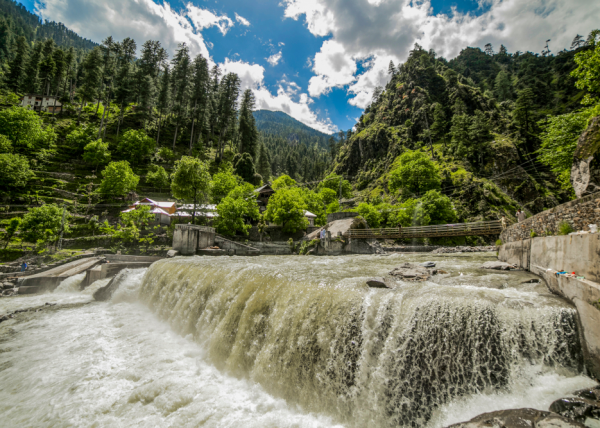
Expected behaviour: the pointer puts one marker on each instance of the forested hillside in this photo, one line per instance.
(486, 121)
(294, 148)
(16, 21)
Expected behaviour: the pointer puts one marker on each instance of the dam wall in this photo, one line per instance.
(571, 253)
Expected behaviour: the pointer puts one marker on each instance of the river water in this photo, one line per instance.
(287, 342)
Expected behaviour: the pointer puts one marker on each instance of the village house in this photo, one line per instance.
(48, 104)
(163, 211)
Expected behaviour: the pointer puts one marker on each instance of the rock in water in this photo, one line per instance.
(377, 283)
(498, 266)
(428, 264)
(413, 272)
(577, 408)
(589, 393)
(173, 253)
(517, 418)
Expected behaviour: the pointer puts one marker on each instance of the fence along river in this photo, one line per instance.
(291, 341)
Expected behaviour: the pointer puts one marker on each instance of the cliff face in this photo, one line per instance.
(415, 112)
(585, 174)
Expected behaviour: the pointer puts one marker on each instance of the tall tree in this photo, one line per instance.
(163, 99)
(91, 68)
(489, 49)
(180, 85)
(522, 116)
(47, 66)
(248, 133)
(229, 91)
(191, 181)
(577, 42)
(6, 41)
(32, 82)
(18, 64)
(503, 86)
(199, 97)
(264, 164)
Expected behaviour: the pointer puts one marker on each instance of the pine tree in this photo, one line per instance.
(263, 164)
(439, 127)
(18, 64)
(489, 49)
(503, 86)
(577, 42)
(522, 115)
(248, 133)
(163, 99)
(391, 69)
(47, 66)
(91, 68)
(6, 41)
(200, 96)
(31, 81)
(180, 85)
(229, 91)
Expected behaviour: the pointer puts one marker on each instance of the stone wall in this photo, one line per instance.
(188, 238)
(341, 216)
(274, 234)
(578, 213)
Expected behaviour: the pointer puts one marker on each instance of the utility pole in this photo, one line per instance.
(62, 227)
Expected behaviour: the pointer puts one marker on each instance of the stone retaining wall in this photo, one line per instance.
(578, 213)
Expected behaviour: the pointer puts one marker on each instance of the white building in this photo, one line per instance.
(35, 102)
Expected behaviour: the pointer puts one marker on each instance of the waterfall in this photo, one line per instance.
(310, 331)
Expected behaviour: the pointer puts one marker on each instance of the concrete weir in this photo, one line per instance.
(95, 268)
(572, 253)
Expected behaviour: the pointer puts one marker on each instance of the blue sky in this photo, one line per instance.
(319, 60)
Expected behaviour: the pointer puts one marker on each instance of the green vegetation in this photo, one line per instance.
(118, 180)
(235, 209)
(564, 228)
(286, 208)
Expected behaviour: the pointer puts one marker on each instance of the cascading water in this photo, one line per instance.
(320, 338)
(290, 342)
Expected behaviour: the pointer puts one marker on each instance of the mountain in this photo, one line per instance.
(477, 117)
(294, 148)
(16, 21)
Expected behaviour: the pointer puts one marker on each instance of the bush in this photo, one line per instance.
(533, 234)
(498, 242)
(118, 179)
(136, 145)
(564, 228)
(14, 171)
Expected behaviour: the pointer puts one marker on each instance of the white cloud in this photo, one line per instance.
(288, 99)
(242, 20)
(139, 19)
(380, 30)
(274, 59)
(203, 18)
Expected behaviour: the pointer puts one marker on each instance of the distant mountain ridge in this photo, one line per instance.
(280, 123)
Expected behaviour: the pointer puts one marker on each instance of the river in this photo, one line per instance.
(287, 341)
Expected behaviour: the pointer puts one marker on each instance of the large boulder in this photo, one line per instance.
(378, 282)
(577, 408)
(412, 272)
(519, 418)
(497, 265)
(585, 172)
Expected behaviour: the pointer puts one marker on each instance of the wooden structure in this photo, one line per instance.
(435, 231)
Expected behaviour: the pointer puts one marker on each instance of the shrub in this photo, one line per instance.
(498, 242)
(564, 228)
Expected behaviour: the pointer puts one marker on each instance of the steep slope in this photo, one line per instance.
(487, 170)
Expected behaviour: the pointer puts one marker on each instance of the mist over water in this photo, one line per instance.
(290, 342)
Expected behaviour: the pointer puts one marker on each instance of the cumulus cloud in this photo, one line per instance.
(274, 59)
(288, 98)
(139, 19)
(376, 31)
(242, 20)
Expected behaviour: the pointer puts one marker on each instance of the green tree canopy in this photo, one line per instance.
(5, 144)
(223, 182)
(438, 207)
(286, 208)
(26, 132)
(282, 182)
(370, 214)
(244, 167)
(81, 136)
(14, 171)
(44, 221)
(239, 205)
(191, 181)
(157, 177)
(135, 145)
(332, 181)
(96, 153)
(10, 230)
(588, 72)
(415, 173)
(118, 179)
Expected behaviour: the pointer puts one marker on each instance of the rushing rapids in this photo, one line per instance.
(288, 342)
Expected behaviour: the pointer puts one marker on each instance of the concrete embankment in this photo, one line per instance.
(95, 268)
(572, 253)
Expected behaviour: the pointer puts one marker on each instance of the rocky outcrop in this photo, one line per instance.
(585, 405)
(517, 418)
(378, 282)
(585, 172)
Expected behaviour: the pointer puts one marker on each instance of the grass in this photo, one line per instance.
(564, 228)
